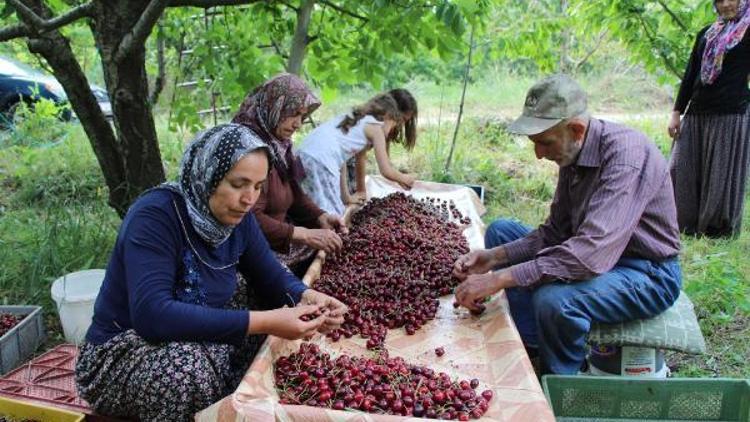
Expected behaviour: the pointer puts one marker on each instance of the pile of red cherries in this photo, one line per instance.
(381, 385)
(396, 261)
(8, 321)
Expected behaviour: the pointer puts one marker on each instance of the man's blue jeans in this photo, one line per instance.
(556, 317)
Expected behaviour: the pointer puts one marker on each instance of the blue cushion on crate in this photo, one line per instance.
(675, 329)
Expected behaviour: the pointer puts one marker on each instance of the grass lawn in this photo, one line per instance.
(54, 218)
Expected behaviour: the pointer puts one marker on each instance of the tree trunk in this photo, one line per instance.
(161, 75)
(127, 84)
(56, 50)
(130, 160)
(299, 42)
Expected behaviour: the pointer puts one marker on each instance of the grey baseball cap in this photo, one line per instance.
(549, 102)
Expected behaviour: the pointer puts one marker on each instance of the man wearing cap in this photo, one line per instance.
(607, 252)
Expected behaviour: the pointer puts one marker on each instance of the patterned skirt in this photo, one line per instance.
(129, 377)
(709, 169)
(298, 259)
(322, 185)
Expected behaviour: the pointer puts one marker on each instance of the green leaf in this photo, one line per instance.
(328, 94)
(468, 7)
(457, 25)
(8, 10)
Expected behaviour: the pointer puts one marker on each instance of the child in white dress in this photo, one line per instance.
(386, 118)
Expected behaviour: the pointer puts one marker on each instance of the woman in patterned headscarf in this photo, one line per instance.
(711, 152)
(172, 331)
(294, 226)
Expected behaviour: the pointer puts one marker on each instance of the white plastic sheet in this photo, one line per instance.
(466, 200)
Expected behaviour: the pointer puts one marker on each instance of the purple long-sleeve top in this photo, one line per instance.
(616, 200)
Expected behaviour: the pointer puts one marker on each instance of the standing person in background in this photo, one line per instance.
(712, 143)
(174, 328)
(294, 226)
(376, 124)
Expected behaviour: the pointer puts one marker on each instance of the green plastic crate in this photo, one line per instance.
(586, 398)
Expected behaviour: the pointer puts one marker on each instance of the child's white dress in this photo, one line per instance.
(323, 152)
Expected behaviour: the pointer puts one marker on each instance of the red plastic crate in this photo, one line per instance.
(49, 378)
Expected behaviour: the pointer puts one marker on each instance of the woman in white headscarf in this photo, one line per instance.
(712, 142)
(171, 331)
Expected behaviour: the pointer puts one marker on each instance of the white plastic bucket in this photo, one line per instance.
(75, 294)
(662, 373)
(627, 361)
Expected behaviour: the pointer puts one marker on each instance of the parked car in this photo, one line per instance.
(103, 99)
(20, 82)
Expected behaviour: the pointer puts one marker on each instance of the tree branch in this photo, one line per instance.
(278, 49)
(296, 9)
(342, 10)
(78, 12)
(647, 30)
(137, 36)
(591, 52)
(209, 3)
(27, 14)
(15, 31)
(39, 25)
(461, 105)
(673, 15)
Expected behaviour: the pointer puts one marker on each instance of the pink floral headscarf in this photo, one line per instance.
(282, 96)
(721, 37)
